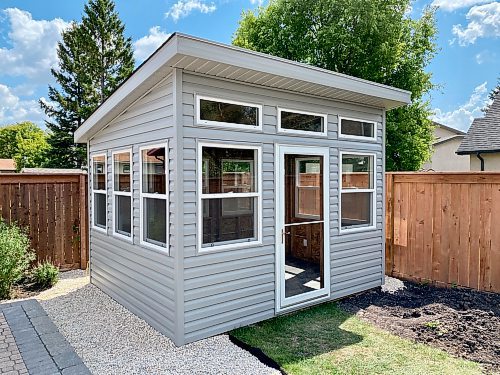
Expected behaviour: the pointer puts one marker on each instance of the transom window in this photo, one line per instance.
(122, 193)
(353, 128)
(223, 112)
(229, 206)
(154, 196)
(357, 208)
(99, 209)
(292, 121)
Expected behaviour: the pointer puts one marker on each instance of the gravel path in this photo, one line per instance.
(111, 340)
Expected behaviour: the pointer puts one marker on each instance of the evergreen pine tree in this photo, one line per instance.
(94, 58)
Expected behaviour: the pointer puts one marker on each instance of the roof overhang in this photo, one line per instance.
(475, 152)
(241, 65)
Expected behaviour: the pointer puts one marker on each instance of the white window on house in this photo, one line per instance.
(357, 129)
(229, 196)
(154, 196)
(300, 122)
(122, 193)
(357, 191)
(223, 112)
(99, 201)
(308, 187)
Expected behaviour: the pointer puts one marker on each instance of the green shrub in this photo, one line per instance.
(15, 255)
(45, 274)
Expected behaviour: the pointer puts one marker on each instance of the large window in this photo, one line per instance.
(357, 129)
(299, 122)
(154, 196)
(99, 209)
(357, 189)
(222, 112)
(229, 206)
(122, 194)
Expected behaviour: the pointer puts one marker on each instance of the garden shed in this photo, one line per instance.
(228, 186)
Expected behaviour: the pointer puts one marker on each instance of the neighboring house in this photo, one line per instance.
(482, 141)
(228, 186)
(444, 158)
(7, 166)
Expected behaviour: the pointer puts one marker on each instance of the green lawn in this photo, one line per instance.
(326, 340)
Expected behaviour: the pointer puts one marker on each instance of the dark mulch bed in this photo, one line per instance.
(25, 288)
(462, 322)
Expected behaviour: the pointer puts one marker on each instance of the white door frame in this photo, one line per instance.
(283, 303)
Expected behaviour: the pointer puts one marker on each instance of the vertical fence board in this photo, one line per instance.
(52, 208)
(443, 228)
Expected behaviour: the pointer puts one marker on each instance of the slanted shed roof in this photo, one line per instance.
(240, 65)
(484, 133)
(7, 165)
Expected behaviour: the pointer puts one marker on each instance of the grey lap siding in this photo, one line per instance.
(139, 278)
(228, 289)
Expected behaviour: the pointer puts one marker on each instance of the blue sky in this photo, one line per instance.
(466, 67)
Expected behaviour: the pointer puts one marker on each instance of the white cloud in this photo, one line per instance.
(486, 57)
(184, 7)
(483, 21)
(462, 117)
(14, 109)
(451, 5)
(33, 45)
(258, 2)
(146, 45)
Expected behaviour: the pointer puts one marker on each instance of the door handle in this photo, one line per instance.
(283, 235)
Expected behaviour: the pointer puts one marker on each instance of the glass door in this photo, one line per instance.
(303, 248)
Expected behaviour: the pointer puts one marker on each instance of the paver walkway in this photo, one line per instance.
(31, 344)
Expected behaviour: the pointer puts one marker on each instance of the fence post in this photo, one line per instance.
(83, 222)
(389, 222)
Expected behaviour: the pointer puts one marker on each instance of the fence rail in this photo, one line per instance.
(53, 208)
(444, 228)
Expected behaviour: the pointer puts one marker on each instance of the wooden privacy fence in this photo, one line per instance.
(444, 228)
(53, 208)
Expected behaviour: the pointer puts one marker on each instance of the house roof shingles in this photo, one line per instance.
(484, 133)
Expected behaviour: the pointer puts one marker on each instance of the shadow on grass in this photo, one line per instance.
(297, 337)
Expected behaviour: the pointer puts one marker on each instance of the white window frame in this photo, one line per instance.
(122, 193)
(324, 133)
(373, 191)
(218, 124)
(357, 137)
(94, 192)
(257, 195)
(297, 169)
(165, 196)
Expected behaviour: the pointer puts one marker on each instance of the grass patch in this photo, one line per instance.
(326, 340)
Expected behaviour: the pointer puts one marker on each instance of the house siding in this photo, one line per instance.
(139, 278)
(228, 289)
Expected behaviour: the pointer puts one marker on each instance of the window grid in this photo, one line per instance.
(122, 193)
(202, 197)
(143, 195)
(371, 190)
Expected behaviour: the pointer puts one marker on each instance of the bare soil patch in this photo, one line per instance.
(463, 322)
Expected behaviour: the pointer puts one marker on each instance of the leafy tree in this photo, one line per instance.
(94, 58)
(24, 142)
(370, 39)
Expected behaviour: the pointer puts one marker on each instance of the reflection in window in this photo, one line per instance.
(154, 195)
(228, 112)
(357, 128)
(357, 191)
(230, 216)
(308, 187)
(122, 193)
(302, 121)
(99, 191)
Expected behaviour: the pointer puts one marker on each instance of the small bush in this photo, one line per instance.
(45, 274)
(15, 256)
